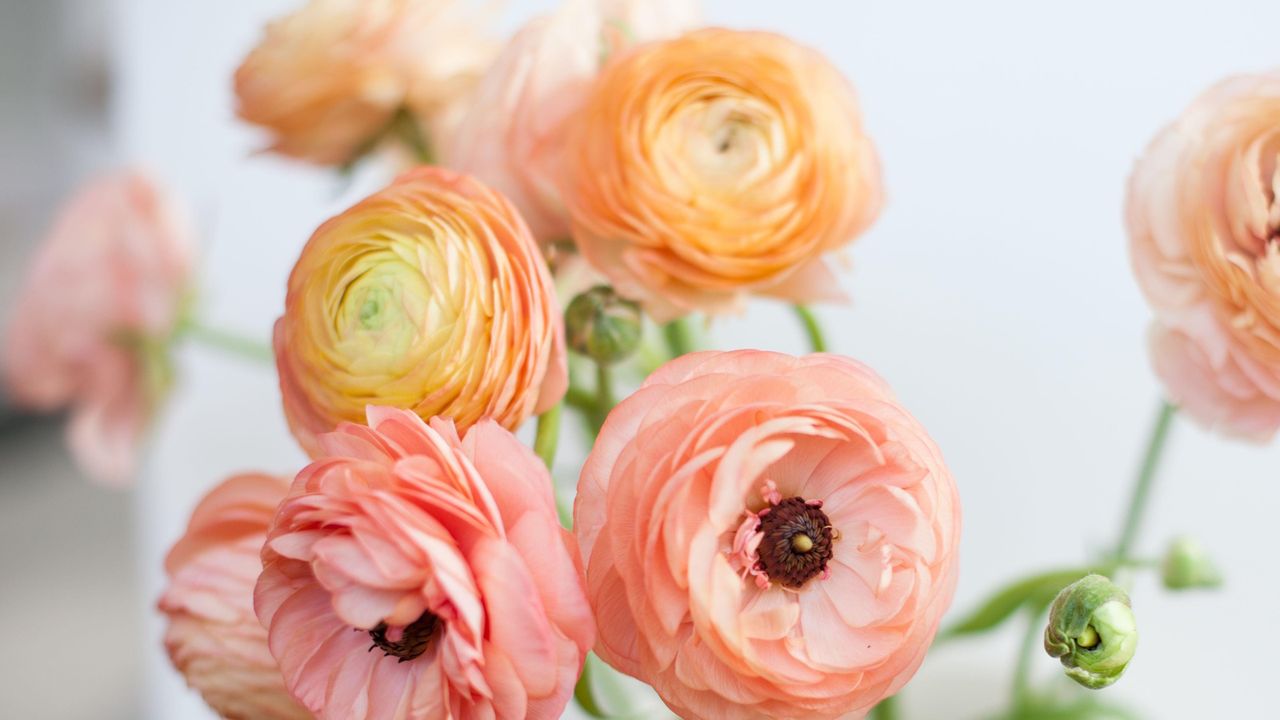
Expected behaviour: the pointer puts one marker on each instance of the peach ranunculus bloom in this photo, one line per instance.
(91, 325)
(718, 164)
(430, 295)
(214, 638)
(417, 575)
(512, 134)
(767, 536)
(329, 78)
(1204, 230)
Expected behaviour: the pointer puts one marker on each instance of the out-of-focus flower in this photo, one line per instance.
(603, 326)
(214, 639)
(716, 164)
(412, 574)
(90, 328)
(1187, 566)
(327, 80)
(429, 295)
(1204, 230)
(767, 536)
(512, 136)
(1092, 630)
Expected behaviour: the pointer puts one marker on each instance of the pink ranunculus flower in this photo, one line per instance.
(511, 135)
(767, 536)
(90, 326)
(413, 574)
(1204, 229)
(214, 639)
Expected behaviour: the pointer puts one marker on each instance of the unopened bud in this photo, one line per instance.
(1187, 565)
(602, 325)
(1092, 630)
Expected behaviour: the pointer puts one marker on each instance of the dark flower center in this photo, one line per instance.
(413, 641)
(797, 542)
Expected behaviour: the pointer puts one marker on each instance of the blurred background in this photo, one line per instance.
(994, 294)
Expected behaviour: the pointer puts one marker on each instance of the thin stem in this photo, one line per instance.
(1022, 673)
(229, 342)
(812, 328)
(887, 709)
(548, 435)
(604, 394)
(679, 337)
(585, 697)
(1146, 475)
(580, 399)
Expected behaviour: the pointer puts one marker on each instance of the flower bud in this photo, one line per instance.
(1092, 630)
(602, 325)
(1187, 565)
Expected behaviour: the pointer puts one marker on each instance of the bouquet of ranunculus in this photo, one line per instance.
(752, 534)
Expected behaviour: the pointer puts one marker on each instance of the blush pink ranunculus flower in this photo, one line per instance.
(413, 574)
(213, 638)
(90, 327)
(767, 536)
(1204, 229)
(512, 132)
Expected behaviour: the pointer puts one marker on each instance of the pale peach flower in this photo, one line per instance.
(90, 327)
(767, 536)
(512, 134)
(329, 78)
(1204, 230)
(429, 295)
(718, 164)
(413, 574)
(213, 637)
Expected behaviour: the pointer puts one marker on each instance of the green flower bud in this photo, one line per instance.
(602, 325)
(1187, 565)
(1092, 630)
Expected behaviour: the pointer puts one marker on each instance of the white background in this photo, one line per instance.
(994, 293)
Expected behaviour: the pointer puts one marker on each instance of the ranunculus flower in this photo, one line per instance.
(1204, 230)
(512, 136)
(214, 639)
(718, 164)
(430, 295)
(90, 327)
(414, 575)
(329, 78)
(767, 536)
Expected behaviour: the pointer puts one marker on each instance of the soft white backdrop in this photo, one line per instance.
(994, 294)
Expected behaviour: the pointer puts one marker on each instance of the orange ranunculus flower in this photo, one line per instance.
(716, 164)
(430, 296)
(327, 79)
(213, 636)
(1204, 230)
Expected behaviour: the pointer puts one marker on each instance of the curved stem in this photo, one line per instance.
(812, 328)
(887, 709)
(1146, 476)
(679, 337)
(548, 435)
(584, 696)
(1022, 672)
(227, 341)
(604, 395)
(580, 399)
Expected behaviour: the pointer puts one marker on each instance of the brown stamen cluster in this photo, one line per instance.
(797, 544)
(417, 635)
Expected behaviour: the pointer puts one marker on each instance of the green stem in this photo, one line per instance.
(584, 696)
(604, 394)
(679, 337)
(548, 435)
(1022, 672)
(887, 709)
(580, 399)
(1146, 475)
(227, 341)
(812, 328)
